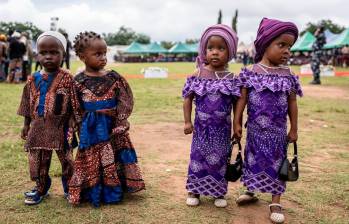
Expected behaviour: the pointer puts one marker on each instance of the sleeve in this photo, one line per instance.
(75, 102)
(124, 107)
(296, 86)
(24, 106)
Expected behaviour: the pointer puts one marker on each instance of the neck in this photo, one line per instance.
(216, 69)
(267, 62)
(94, 72)
(50, 71)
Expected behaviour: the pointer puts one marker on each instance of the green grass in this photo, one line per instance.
(320, 196)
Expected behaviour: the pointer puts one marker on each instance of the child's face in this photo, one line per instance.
(278, 52)
(50, 53)
(95, 55)
(217, 52)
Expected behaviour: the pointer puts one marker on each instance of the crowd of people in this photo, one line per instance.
(18, 53)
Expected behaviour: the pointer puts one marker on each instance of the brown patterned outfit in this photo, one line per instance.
(106, 162)
(46, 100)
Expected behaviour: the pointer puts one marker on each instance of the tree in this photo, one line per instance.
(219, 17)
(191, 41)
(167, 44)
(328, 24)
(142, 38)
(125, 36)
(29, 27)
(235, 21)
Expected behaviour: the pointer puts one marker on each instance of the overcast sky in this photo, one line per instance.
(172, 20)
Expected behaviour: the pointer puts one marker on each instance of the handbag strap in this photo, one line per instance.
(234, 142)
(295, 149)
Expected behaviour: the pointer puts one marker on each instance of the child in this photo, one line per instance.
(46, 108)
(106, 162)
(270, 93)
(214, 90)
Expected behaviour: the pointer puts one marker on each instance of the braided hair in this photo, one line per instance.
(83, 40)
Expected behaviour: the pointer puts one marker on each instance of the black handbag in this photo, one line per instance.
(234, 170)
(289, 170)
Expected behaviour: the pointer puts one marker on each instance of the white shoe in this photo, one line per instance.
(192, 201)
(275, 216)
(246, 198)
(220, 203)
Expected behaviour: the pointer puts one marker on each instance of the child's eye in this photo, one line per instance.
(222, 48)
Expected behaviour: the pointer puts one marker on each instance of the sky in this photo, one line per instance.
(170, 20)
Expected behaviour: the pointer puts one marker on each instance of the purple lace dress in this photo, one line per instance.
(214, 98)
(267, 109)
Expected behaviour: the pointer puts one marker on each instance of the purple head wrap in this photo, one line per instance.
(223, 31)
(268, 30)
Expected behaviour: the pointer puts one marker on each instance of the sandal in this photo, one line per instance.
(246, 198)
(220, 202)
(193, 199)
(276, 217)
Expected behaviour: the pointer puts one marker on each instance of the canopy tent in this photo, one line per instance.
(181, 48)
(304, 43)
(330, 36)
(135, 48)
(193, 47)
(155, 48)
(340, 41)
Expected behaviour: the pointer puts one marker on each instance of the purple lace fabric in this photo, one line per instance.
(214, 99)
(267, 109)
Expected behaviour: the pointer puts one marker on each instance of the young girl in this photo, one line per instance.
(214, 89)
(270, 93)
(106, 162)
(46, 106)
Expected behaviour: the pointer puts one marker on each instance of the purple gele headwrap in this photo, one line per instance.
(223, 31)
(269, 30)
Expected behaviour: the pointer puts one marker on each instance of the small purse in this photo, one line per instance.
(234, 170)
(289, 170)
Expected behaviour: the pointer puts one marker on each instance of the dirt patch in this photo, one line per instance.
(325, 92)
(172, 149)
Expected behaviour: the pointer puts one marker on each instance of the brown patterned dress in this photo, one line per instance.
(106, 162)
(46, 100)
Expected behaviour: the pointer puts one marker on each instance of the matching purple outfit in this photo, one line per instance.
(214, 99)
(267, 109)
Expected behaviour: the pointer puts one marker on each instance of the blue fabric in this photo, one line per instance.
(102, 193)
(127, 156)
(112, 194)
(43, 86)
(95, 127)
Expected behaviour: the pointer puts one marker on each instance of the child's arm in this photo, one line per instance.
(26, 127)
(187, 108)
(293, 115)
(238, 112)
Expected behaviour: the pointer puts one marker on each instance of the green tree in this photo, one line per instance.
(191, 41)
(142, 38)
(219, 17)
(235, 21)
(125, 36)
(29, 27)
(167, 44)
(328, 24)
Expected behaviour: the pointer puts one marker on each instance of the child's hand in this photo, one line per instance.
(237, 132)
(188, 128)
(24, 132)
(292, 136)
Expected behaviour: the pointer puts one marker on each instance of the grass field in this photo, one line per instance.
(320, 196)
